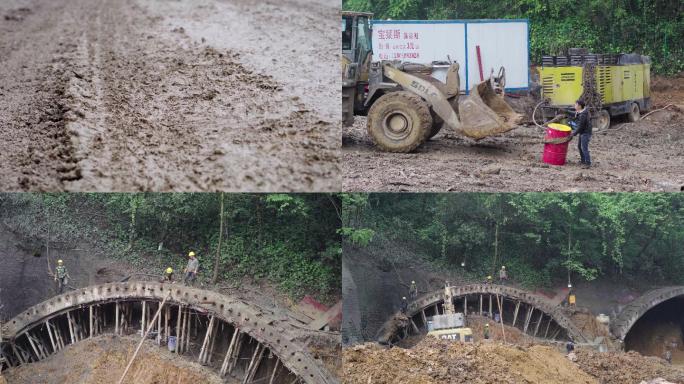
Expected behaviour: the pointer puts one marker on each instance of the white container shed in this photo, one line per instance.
(502, 42)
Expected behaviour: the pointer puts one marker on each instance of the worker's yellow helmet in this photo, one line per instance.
(191, 254)
(503, 267)
(169, 270)
(60, 262)
(487, 325)
(489, 277)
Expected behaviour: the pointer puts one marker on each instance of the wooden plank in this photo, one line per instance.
(323, 320)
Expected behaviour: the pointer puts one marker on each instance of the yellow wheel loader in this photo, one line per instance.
(405, 104)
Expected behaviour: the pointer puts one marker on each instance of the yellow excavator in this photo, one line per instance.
(405, 104)
(451, 325)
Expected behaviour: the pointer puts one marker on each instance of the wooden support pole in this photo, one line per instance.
(490, 307)
(423, 317)
(254, 364)
(546, 333)
(141, 342)
(229, 352)
(236, 353)
(90, 313)
(159, 328)
(17, 354)
(465, 306)
(480, 304)
(515, 313)
(71, 328)
(528, 316)
(116, 319)
(58, 337)
(275, 369)
(536, 328)
(188, 336)
(558, 329)
(207, 336)
(184, 317)
(212, 341)
(142, 320)
(500, 305)
(415, 328)
(33, 346)
(178, 327)
(52, 340)
(166, 323)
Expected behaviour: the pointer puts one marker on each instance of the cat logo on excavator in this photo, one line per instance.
(405, 105)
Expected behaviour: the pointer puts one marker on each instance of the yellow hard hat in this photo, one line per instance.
(487, 325)
(60, 262)
(191, 254)
(489, 277)
(503, 267)
(169, 270)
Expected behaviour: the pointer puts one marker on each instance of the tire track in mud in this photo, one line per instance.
(130, 105)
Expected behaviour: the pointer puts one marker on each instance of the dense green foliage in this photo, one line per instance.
(290, 240)
(542, 238)
(649, 27)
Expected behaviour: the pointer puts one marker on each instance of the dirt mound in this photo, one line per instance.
(440, 361)
(103, 360)
(630, 367)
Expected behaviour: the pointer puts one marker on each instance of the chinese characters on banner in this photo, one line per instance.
(395, 44)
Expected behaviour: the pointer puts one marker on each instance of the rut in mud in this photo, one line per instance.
(130, 95)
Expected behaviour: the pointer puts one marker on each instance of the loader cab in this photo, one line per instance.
(356, 36)
(355, 61)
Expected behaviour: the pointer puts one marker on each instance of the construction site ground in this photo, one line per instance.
(441, 361)
(642, 156)
(189, 95)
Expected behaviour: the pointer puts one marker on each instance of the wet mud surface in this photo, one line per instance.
(642, 156)
(141, 95)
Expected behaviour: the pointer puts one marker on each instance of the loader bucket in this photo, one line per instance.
(486, 113)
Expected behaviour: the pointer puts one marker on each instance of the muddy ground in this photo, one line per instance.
(186, 95)
(642, 156)
(103, 359)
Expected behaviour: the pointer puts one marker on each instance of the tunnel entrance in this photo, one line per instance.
(659, 329)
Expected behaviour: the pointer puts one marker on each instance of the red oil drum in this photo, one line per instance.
(555, 154)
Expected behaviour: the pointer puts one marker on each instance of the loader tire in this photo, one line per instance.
(399, 121)
(633, 114)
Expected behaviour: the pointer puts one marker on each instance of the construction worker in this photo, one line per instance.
(570, 345)
(488, 280)
(486, 331)
(668, 356)
(168, 275)
(581, 126)
(503, 275)
(413, 290)
(404, 305)
(572, 300)
(191, 269)
(61, 276)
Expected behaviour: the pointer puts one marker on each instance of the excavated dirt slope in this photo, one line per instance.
(156, 95)
(103, 359)
(440, 361)
(642, 156)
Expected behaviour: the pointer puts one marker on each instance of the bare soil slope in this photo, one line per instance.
(103, 359)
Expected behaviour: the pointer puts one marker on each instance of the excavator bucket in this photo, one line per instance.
(486, 113)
